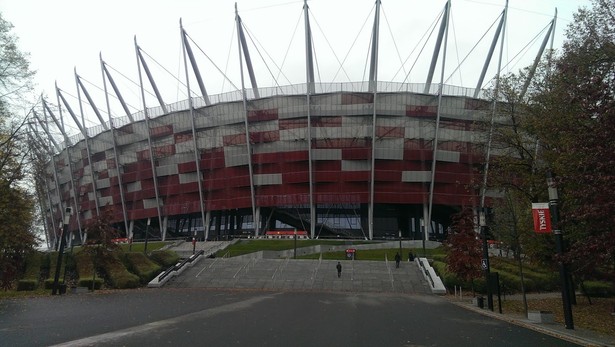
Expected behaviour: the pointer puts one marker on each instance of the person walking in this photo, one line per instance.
(397, 259)
(339, 269)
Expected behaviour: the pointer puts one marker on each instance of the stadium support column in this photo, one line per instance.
(373, 88)
(309, 59)
(197, 157)
(434, 159)
(436, 52)
(118, 164)
(60, 125)
(207, 224)
(149, 135)
(532, 72)
(488, 154)
(479, 84)
(242, 43)
(55, 169)
(87, 140)
(42, 152)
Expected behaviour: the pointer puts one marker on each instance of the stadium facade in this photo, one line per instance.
(372, 159)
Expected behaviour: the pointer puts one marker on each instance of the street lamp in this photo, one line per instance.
(563, 273)
(146, 235)
(423, 232)
(295, 254)
(400, 253)
(485, 261)
(67, 212)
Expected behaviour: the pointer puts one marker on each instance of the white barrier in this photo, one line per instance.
(435, 283)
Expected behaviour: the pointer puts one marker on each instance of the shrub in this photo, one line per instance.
(598, 289)
(27, 284)
(142, 266)
(84, 265)
(165, 258)
(448, 279)
(33, 266)
(87, 282)
(117, 274)
(48, 284)
(53, 261)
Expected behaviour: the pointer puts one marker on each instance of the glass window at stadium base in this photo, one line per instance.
(368, 160)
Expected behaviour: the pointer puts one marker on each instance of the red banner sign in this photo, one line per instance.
(542, 217)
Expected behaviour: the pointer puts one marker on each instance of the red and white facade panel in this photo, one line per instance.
(278, 168)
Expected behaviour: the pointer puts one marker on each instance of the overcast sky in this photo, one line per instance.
(62, 35)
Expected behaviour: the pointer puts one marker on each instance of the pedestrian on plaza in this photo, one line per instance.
(410, 256)
(397, 259)
(339, 269)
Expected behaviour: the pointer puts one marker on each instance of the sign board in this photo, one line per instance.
(542, 217)
(483, 264)
(350, 253)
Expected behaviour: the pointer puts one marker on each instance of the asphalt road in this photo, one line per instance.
(248, 317)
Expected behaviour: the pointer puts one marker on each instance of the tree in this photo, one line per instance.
(463, 248)
(100, 235)
(15, 73)
(16, 203)
(16, 239)
(574, 119)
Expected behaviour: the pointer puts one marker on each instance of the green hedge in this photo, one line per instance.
(87, 282)
(84, 265)
(48, 284)
(448, 279)
(165, 258)
(53, 261)
(33, 266)
(27, 284)
(117, 274)
(142, 266)
(599, 289)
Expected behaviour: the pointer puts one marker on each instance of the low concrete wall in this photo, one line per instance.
(540, 316)
(435, 283)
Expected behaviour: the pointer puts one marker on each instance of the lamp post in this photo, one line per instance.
(485, 261)
(67, 212)
(146, 235)
(423, 232)
(295, 253)
(559, 245)
(400, 253)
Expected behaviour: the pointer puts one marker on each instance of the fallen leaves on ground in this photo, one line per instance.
(596, 316)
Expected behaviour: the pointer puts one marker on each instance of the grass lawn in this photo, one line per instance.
(140, 246)
(375, 254)
(250, 246)
(8, 294)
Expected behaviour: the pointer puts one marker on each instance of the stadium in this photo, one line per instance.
(370, 159)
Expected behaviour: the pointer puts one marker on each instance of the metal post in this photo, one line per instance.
(400, 253)
(485, 261)
(559, 245)
(146, 235)
(56, 278)
(295, 255)
(423, 226)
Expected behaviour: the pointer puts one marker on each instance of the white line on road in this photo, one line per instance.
(163, 324)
